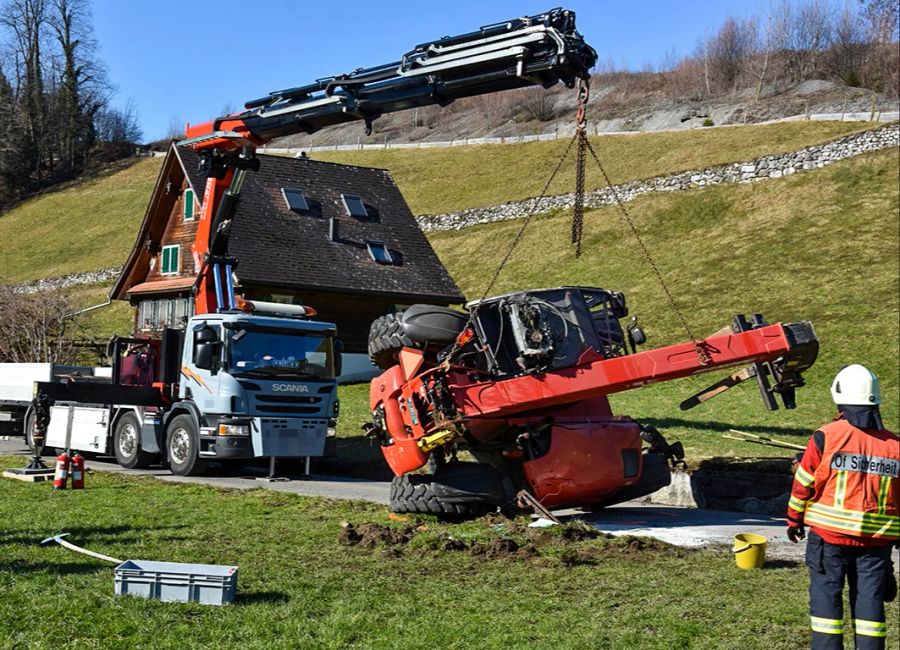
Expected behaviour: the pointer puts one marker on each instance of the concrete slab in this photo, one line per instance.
(692, 527)
(244, 478)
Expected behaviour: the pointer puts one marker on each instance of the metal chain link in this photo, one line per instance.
(531, 212)
(702, 354)
(512, 246)
(580, 158)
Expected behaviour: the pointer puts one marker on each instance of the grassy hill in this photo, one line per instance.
(454, 178)
(83, 226)
(91, 224)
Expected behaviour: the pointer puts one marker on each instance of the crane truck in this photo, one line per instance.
(249, 379)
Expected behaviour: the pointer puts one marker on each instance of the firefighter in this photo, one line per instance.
(846, 489)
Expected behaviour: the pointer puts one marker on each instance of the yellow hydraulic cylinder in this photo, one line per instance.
(435, 440)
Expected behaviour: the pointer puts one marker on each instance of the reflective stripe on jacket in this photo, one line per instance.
(849, 490)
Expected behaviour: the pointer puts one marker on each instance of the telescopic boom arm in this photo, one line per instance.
(535, 50)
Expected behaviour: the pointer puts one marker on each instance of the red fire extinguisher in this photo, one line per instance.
(61, 475)
(77, 471)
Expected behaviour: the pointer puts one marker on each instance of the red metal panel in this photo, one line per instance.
(584, 463)
(603, 377)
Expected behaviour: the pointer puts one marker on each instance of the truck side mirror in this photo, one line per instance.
(338, 357)
(206, 349)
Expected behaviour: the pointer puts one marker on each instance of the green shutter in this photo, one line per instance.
(189, 205)
(170, 259)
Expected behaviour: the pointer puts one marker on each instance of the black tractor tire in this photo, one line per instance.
(419, 494)
(386, 338)
(127, 444)
(182, 447)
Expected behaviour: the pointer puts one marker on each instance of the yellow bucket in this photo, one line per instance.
(749, 551)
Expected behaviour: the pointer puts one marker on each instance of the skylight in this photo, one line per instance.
(354, 206)
(294, 199)
(379, 252)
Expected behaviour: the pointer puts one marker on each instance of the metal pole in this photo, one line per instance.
(69, 419)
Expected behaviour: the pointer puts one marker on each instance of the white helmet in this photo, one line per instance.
(856, 385)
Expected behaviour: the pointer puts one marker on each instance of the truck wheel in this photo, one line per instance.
(386, 337)
(127, 444)
(414, 493)
(183, 446)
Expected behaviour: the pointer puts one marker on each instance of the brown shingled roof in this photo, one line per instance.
(280, 248)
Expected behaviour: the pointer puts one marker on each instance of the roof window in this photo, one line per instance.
(354, 206)
(295, 200)
(379, 252)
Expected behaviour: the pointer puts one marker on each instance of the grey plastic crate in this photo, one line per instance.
(207, 584)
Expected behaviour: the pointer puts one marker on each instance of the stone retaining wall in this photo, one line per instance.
(743, 172)
(104, 276)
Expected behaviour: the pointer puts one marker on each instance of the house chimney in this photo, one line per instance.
(332, 229)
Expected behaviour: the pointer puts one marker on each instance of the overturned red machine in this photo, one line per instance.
(521, 383)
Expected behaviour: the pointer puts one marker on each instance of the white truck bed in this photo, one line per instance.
(17, 379)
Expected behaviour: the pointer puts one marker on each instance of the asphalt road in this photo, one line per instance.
(678, 526)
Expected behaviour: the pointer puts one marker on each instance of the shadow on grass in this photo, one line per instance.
(722, 427)
(84, 536)
(782, 564)
(59, 568)
(256, 597)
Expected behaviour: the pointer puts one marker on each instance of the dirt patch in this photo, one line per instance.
(572, 544)
(495, 548)
(368, 535)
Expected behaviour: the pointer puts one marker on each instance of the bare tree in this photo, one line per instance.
(118, 130)
(730, 49)
(495, 108)
(539, 104)
(175, 129)
(805, 35)
(759, 64)
(846, 55)
(882, 24)
(35, 327)
(25, 20)
(84, 87)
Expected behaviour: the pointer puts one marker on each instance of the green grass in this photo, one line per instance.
(453, 178)
(819, 246)
(91, 223)
(298, 587)
(101, 323)
(87, 225)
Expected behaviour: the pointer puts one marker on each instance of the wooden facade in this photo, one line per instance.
(161, 270)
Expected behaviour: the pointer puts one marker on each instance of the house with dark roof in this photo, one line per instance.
(337, 237)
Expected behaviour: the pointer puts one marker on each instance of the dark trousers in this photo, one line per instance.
(865, 569)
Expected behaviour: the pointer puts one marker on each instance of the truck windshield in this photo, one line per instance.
(270, 354)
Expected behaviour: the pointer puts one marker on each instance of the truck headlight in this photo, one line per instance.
(234, 430)
(331, 431)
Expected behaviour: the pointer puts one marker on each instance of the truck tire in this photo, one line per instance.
(127, 444)
(183, 446)
(386, 337)
(414, 493)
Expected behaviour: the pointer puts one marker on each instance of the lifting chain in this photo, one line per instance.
(580, 156)
(584, 146)
(702, 354)
(535, 203)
